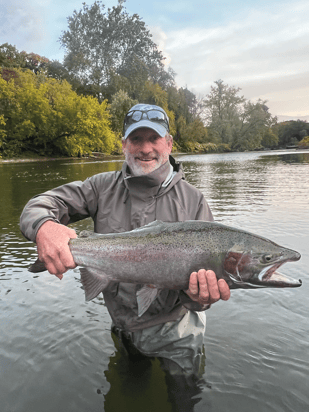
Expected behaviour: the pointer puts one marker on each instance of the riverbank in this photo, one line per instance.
(101, 156)
(29, 158)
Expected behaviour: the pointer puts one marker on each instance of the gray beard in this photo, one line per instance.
(140, 170)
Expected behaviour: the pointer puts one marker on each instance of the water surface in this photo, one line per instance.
(57, 353)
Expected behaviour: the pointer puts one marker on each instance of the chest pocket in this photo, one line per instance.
(169, 209)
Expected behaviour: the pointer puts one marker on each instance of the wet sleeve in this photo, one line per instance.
(65, 204)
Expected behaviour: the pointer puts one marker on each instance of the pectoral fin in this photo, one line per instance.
(93, 282)
(145, 296)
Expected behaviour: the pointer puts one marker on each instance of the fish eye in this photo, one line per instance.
(267, 258)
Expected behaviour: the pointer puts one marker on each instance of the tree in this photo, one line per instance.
(235, 121)
(119, 107)
(222, 110)
(45, 115)
(255, 121)
(291, 132)
(269, 138)
(99, 43)
(10, 57)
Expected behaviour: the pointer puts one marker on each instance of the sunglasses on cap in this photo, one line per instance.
(153, 115)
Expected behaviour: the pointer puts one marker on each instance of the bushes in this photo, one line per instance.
(196, 147)
(46, 116)
(303, 144)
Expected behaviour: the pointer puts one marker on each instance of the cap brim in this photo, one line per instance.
(161, 130)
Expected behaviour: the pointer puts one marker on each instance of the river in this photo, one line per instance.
(56, 350)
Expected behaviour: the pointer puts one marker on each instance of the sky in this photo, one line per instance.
(261, 47)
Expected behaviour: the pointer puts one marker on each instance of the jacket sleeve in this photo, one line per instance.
(203, 211)
(65, 204)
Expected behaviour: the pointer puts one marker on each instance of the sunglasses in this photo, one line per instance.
(153, 115)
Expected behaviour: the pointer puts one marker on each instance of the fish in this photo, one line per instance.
(162, 255)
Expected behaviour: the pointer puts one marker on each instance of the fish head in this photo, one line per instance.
(258, 267)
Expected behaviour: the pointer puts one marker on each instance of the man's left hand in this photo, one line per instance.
(205, 288)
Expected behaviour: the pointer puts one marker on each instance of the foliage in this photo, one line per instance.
(269, 138)
(48, 107)
(195, 147)
(191, 132)
(10, 57)
(100, 43)
(291, 132)
(119, 107)
(235, 121)
(47, 116)
(304, 143)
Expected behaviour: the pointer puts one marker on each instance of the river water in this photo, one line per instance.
(57, 353)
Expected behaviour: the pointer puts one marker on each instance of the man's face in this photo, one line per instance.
(145, 151)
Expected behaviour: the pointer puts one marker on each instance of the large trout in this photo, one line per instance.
(165, 254)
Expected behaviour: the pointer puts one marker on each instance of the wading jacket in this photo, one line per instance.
(118, 202)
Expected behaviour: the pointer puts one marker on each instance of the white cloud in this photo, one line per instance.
(22, 23)
(258, 53)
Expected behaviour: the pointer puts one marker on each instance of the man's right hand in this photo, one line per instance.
(53, 249)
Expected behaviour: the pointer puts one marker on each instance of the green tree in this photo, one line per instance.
(291, 132)
(255, 121)
(269, 138)
(235, 121)
(119, 107)
(99, 43)
(222, 106)
(45, 115)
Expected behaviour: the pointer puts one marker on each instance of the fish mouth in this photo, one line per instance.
(270, 277)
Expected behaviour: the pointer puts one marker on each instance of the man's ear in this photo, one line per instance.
(170, 143)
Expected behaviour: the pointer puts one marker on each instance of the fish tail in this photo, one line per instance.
(37, 267)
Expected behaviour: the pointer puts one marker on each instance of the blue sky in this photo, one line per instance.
(260, 46)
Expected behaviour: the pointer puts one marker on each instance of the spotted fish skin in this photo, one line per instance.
(165, 254)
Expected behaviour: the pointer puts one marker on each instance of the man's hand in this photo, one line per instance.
(204, 287)
(52, 243)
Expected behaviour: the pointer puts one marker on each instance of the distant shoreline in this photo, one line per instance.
(102, 156)
(47, 159)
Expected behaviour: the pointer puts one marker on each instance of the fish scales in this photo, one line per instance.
(165, 254)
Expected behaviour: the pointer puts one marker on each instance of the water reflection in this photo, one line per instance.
(158, 389)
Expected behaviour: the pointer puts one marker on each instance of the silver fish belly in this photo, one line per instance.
(165, 254)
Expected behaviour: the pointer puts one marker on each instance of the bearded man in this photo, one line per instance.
(149, 187)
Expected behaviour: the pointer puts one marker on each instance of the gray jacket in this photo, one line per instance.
(118, 202)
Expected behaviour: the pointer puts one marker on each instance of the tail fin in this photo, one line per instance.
(37, 267)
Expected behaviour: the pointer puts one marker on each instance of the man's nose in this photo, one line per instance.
(146, 147)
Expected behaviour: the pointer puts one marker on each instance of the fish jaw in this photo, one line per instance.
(270, 277)
(248, 272)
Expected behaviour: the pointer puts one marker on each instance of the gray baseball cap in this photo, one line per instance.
(146, 115)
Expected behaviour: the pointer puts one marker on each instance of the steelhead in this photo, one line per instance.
(165, 254)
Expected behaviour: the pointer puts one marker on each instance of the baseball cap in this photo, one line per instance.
(146, 115)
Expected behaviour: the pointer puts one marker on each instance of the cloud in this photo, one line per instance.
(22, 22)
(260, 52)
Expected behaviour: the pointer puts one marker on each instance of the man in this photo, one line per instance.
(150, 187)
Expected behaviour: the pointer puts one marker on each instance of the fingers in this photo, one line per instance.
(206, 289)
(58, 261)
(53, 249)
(224, 289)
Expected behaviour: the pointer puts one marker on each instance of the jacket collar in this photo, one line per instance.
(150, 185)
